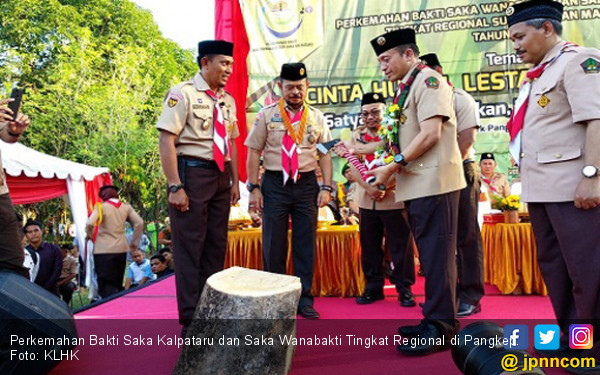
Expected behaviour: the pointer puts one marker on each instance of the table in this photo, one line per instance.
(510, 258)
(337, 272)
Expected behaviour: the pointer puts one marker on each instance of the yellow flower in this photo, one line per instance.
(394, 108)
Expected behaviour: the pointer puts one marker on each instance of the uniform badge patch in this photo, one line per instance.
(591, 66)
(544, 101)
(172, 102)
(199, 100)
(403, 119)
(432, 83)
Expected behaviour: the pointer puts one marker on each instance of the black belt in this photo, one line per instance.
(280, 173)
(191, 162)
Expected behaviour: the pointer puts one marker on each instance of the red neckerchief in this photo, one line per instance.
(116, 204)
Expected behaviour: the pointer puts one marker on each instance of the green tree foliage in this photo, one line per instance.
(95, 73)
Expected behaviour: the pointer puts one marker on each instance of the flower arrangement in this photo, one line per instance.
(510, 203)
(388, 132)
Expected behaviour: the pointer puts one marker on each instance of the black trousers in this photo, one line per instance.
(66, 291)
(200, 235)
(300, 201)
(469, 256)
(110, 269)
(12, 254)
(568, 252)
(373, 225)
(433, 221)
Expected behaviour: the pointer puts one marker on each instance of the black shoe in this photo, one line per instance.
(411, 331)
(308, 312)
(465, 309)
(369, 297)
(428, 333)
(421, 304)
(407, 299)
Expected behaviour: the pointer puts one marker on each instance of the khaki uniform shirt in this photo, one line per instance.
(267, 134)
(499, 182)
(111, 232)
(69, 267)
(467, 114)
(188, 113)
(364, 200)
(3, 185)
(439, 170)
(565, 96)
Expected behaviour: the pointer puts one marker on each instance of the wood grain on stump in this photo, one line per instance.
(243, 325)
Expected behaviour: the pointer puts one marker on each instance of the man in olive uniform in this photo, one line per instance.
(288, 132)
(470, 288)
(198, 127)
(379, 214)
(555, 133)
(429, 178)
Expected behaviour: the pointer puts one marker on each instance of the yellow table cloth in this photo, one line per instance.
(510, 258)
(337, 272)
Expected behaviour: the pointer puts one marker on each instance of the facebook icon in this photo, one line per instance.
(516, 337)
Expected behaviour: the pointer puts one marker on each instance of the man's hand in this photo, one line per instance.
(383, 174)
(132, 248)
(323, 198)
(179, 200)
(375, 193)
(18, 126)
(235, 194)
(255, 202)
(587, 194)
(5, 112)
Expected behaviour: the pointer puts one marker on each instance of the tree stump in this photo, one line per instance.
(243, 324)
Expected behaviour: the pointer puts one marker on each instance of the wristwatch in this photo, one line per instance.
(251, 187)
(174, 188)
(589, 171)
(399, 159)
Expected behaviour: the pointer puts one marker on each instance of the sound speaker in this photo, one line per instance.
(37, 329)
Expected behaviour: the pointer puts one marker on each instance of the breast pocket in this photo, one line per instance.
(275, 131)
(201, 120)
(546, 98)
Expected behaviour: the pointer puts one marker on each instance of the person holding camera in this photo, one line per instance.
(11, 251)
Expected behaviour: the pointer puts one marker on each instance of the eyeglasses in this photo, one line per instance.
(374, 113)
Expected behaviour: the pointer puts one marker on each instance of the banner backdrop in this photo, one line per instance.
(332, 38)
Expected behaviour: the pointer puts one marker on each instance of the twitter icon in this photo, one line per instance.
(547, 336)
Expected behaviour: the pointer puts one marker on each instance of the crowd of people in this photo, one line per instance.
(423, 198)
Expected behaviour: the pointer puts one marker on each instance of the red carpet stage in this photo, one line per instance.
(152, 312)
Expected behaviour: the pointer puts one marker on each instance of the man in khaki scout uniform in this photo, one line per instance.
(110, 244)
(469, 256)
(287, 132)
(11, 249)
(379, 214)
(559, 130)
(429, 178)
(198, 127)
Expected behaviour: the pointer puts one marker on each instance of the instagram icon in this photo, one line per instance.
(581, 336)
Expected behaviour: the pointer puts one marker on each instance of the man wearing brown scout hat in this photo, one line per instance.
(428, 170)
(555, 133)
(198, 127)
(288, 132)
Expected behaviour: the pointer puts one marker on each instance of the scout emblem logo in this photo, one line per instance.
(301, 71)
(510, 11)
(403, 118)
(591, 66)
(432, 83)
(381, 41)
(544, 101)
(376, 97)
(272, 126)
(172, 102)
(205, 125)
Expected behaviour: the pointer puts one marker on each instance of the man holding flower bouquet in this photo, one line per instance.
(429, 176)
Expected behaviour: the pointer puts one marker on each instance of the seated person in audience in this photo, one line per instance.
(348, 193)
(164, 236)
(495, 183)
(49, 256)
(66, 282)
(168, 254)
(159, 266)
(139, 271)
